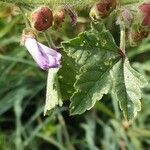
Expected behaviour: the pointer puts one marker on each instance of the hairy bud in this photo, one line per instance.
(135, 37)
(59, 17)
(42, 18)
(102, 9)
(61, 13)
(71, 14)
(125, 18)
(145, 9)
(27, 33)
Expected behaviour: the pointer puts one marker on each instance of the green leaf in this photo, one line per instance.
(90, 87)
(95, 52)
(126, 88)
(66, 76)
(53, 96)
(97, 42)
(101, 70)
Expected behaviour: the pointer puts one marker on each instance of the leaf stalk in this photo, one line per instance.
(122, 39)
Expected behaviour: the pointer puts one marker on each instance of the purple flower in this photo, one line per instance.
(44, 56)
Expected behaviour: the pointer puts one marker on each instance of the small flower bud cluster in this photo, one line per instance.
(143, 31)
(137, 23)
(43, 17)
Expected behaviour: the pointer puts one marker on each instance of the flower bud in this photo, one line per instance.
(71, 14)
(125, 18)
(44, 56)
(145, 9)
(42, 18)
(61, 13)
(27, 33)
(59, 17)
(102, 9)
(135, 37)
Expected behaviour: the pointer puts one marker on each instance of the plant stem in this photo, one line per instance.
(49, 40)
(25, 17)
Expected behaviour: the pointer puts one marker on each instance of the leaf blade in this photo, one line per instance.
(127, 88)
(95, 52)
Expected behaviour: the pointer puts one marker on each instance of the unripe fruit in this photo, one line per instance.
(42, 18)
(102, 9)
(145, 9)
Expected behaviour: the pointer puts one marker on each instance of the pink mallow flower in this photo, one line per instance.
(44, 56)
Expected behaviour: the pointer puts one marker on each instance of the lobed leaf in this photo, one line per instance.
(95, 52)
(102, 69)
(127, 84)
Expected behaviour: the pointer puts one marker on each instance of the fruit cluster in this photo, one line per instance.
(43, 17)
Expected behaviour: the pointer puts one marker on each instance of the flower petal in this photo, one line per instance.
(44, 56)
(49, 51)
(53, 56)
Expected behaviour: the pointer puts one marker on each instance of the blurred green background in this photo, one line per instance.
(22, 98)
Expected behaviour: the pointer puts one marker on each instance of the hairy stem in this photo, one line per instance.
(49, 40)
(25, 17)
